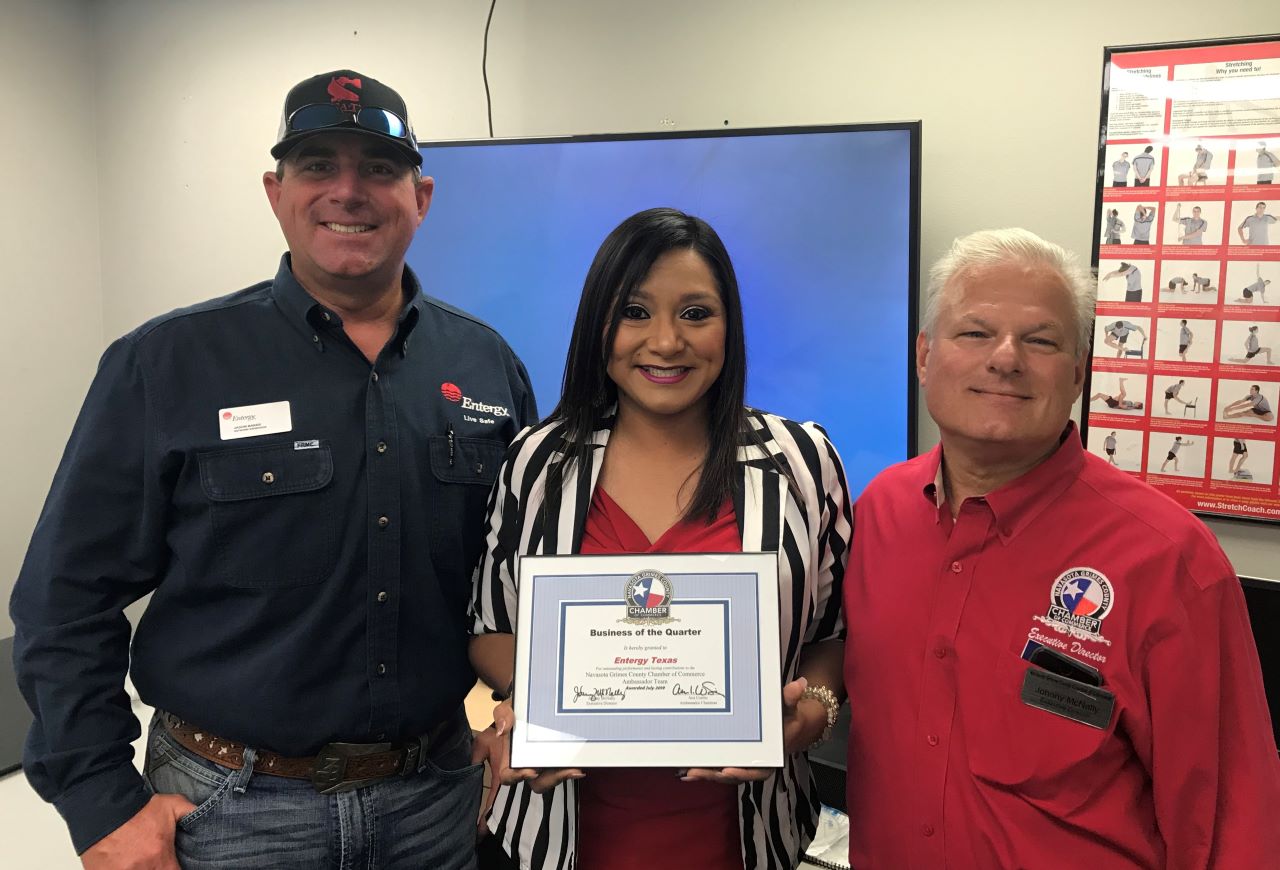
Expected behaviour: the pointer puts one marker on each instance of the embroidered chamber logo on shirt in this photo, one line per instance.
(1080, 599)
(454, 394)
(648, 597)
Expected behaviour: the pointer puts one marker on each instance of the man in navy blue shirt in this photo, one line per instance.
(297, 472)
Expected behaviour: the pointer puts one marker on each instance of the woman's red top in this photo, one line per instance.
(646, 817)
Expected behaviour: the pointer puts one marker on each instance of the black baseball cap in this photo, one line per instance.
(345, 100)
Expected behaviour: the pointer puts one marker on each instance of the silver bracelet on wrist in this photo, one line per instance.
(829, 700)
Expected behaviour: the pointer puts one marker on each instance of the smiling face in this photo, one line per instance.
(348, 206)
(670, 344)
(1001, 369)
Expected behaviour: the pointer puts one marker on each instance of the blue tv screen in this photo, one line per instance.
(821, 224)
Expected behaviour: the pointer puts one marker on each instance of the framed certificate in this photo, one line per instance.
(648, 661)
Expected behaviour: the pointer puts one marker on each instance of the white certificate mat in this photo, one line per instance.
(648, 660)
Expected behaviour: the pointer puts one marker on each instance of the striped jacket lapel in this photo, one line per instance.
(759, 494)
(563, 516)
(760, 489)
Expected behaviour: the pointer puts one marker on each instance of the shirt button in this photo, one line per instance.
(381, 447)
(933, 739)
(382, 669)
(383, 522)
(326, 316)
(955, 568)
(315, 338)
(375, 377)
(927, 830)
(940, 652)
(268, 477)
(382, 597)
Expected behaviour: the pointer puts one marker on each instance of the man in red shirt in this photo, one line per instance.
(1050, 663)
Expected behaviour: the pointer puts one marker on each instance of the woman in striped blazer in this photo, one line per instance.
(651, 449)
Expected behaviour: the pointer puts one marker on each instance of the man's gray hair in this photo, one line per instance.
(987, 248)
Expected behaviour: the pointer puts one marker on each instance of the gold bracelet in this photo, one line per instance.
(828, 699)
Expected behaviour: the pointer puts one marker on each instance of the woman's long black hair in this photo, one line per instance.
(620, 266)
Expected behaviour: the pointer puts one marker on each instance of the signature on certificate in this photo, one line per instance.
(599, 693)
(706, 687)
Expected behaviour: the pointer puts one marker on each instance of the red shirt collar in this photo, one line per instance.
(1019, 501)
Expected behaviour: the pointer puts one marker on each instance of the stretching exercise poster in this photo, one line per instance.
(1184, 387)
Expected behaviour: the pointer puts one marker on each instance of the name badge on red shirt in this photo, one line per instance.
(1068, 698)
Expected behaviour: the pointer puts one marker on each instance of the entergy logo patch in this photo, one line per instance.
(454, 394)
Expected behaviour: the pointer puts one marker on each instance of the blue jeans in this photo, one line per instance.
(249, 820)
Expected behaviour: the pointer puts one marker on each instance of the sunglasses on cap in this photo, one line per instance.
(318, 116)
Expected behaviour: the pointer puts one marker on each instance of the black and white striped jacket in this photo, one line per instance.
(809, 526)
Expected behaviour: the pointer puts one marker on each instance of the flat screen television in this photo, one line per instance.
(821, 223)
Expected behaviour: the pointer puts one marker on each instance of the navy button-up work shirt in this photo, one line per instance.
(307, 521)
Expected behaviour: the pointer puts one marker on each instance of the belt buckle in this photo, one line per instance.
(328, 774)
(413, 751)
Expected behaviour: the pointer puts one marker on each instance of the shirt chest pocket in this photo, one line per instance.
(272, 514)
(463, 471)
(1041, 755)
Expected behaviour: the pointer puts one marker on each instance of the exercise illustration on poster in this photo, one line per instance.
(1187, 282)
(1181, 397)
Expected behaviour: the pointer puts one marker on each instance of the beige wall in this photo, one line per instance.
(49, 255)
(190, 96)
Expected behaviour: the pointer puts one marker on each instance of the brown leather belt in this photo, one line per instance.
(336, 767)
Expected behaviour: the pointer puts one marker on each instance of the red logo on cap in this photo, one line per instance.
(340, 93)
(451, 392)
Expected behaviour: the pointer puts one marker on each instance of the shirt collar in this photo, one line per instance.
(1016, 504)
(931, 483)
(315, 318)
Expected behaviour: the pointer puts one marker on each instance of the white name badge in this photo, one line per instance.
(249, 420)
